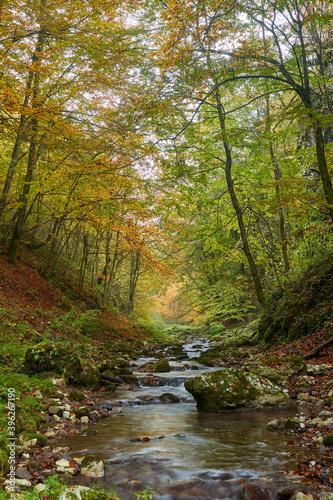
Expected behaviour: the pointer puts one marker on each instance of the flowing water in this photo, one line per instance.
(189, 454)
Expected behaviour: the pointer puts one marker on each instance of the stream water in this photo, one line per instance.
(189, 454)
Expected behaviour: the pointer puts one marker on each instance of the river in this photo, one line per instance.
(180, 452)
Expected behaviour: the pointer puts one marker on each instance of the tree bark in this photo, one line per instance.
(322, 167)
(230, 183)
(32, 159)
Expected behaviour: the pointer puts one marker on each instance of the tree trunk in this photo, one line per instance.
(230, 183)
(23, 201)
(33, 156)
(322, 167)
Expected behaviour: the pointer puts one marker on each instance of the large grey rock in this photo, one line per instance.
(235, 388)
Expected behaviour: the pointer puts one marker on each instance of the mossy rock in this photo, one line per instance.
(272, 375)
(85, 493)
(328, 439)
(168, 397)
(41, 439)
(212, 355)
(92, 466)
(121, 363)
(290, 424)
(235, 388)
(48, 357)
(81, 412)
(76, 396)
(161, 366)
(86, 376)
(106, 365)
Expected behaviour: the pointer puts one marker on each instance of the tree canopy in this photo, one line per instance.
(148, 143)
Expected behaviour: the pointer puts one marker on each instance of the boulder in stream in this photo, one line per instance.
(92, 466)
(235, 388)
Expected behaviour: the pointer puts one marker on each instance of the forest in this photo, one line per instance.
(165, 173)
(188, 141)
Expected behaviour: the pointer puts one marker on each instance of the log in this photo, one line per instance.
(317, 349)
(114, 380)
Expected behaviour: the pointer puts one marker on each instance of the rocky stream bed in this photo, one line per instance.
(148, 432)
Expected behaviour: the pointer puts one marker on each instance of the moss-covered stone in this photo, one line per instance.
(76, 396)
(48, 357)
(235, 388)
(290, 424)
(162, 365)
(168, 397)
(60, 359)
(85, 493)
(86, 375)
(92, 466)
(211, 356)
(328, 439)
(81, 412)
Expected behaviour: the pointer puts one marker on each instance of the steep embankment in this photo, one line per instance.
(303, 310)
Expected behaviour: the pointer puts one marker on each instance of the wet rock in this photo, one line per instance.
(284, 494)
(234, 388)
(68, 466)
(88, 432)
(273, 424)
(92, 466)
(326, 495)
(290, 424)
(253, 492)
(63, 433)
(168, 397)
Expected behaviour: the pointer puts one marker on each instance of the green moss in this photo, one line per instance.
(328, 439)
(290, 424)
(329, 401)
(41, 439)
(162, 366)
(76, 396)
(81, 412)
(234, 388)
